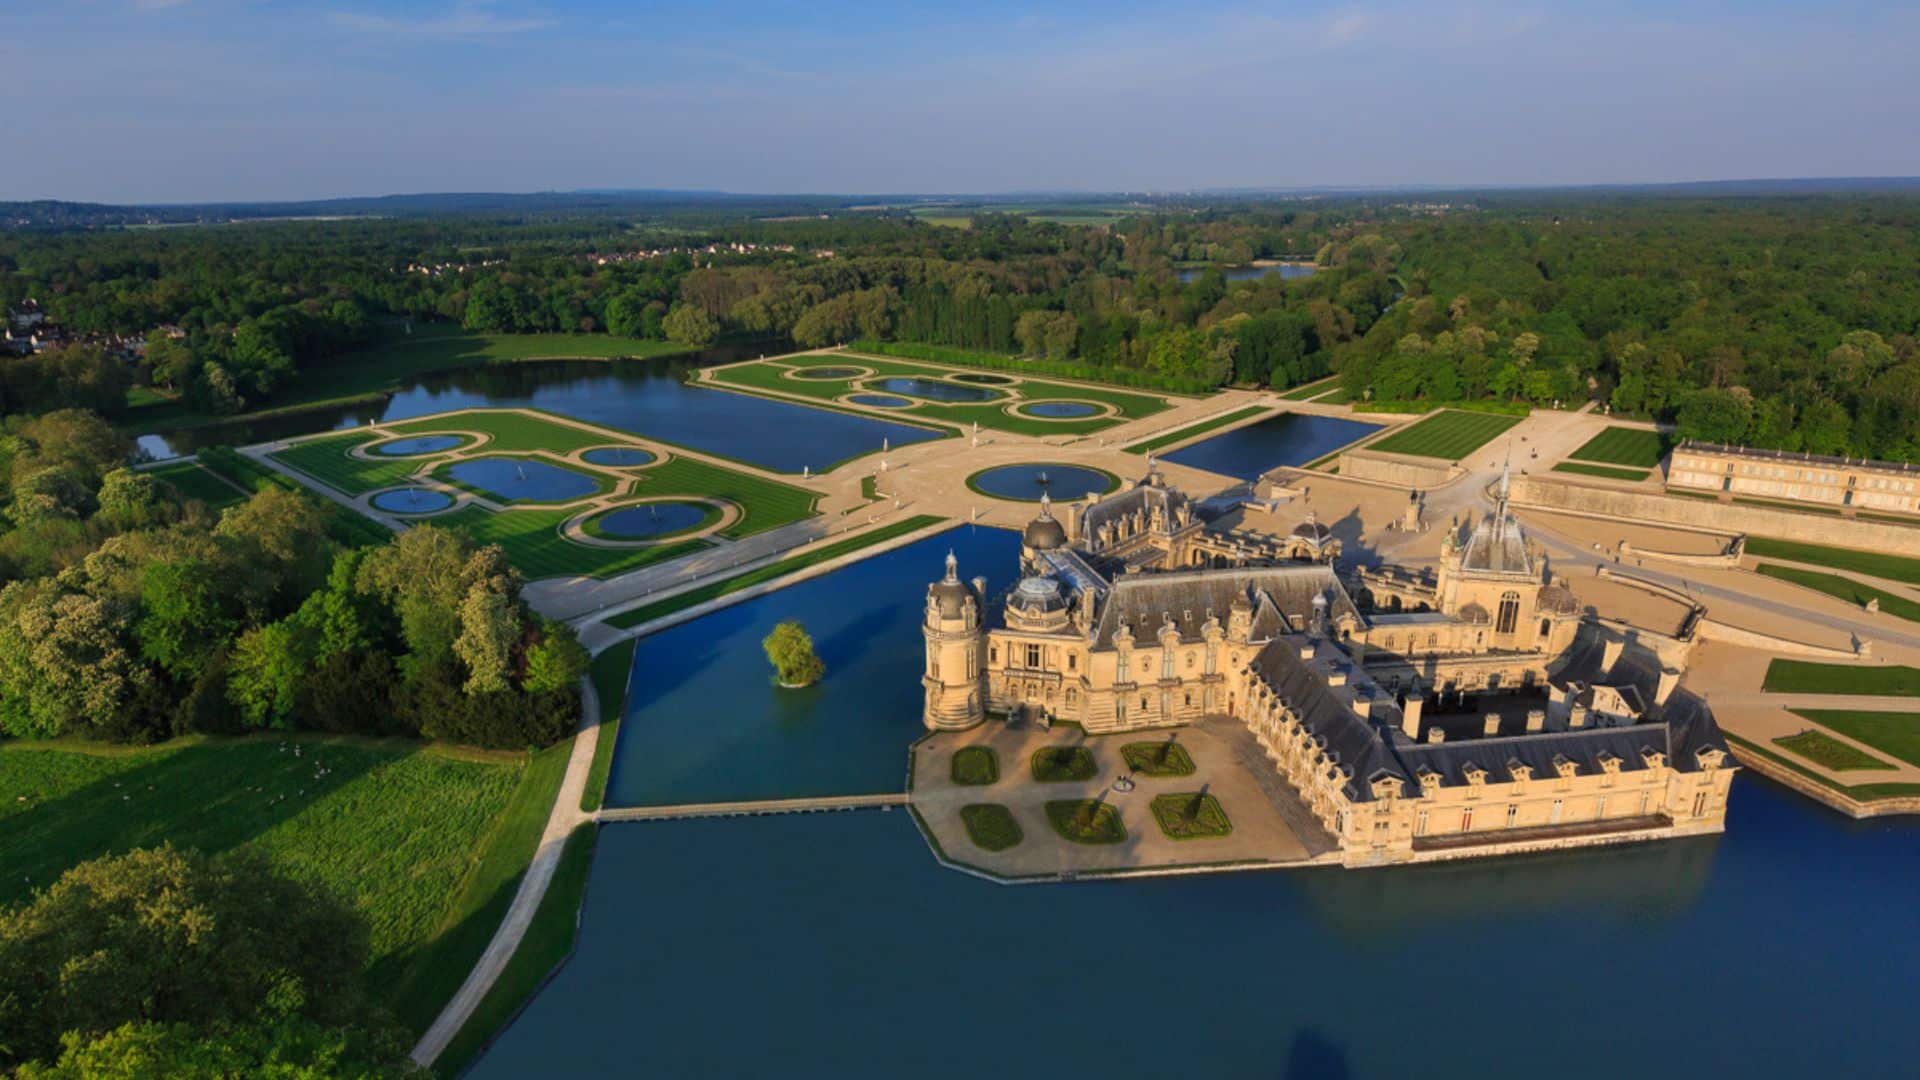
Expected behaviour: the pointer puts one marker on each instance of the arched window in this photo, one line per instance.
(1509, 613)
(1545, 627)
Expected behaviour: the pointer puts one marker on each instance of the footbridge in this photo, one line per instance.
(816, 805)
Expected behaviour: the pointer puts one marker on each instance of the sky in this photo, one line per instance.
(208, 100)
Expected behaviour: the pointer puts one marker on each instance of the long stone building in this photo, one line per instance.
(1419, 715)
(1790, 477)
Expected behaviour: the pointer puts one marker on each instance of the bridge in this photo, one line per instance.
(816, 805)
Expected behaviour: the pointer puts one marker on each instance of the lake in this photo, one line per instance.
(833, 945)
(646, 397)
(705, 723)
(1285, 272)
(1282, 439)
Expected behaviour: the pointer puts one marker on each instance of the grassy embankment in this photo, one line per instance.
(1823, 749)
(609, 672)
(1857, 792)
(1893, 733)
(1812, 677)
(1449, 435)
(1618, 453)
(425, 842)
(1843, 588)
(1871, 563)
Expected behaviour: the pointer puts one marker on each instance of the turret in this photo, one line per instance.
(952, 627)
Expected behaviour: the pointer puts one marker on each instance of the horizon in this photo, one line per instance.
(215, 101)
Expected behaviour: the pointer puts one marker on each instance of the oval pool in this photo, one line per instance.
(828, 372)
(1027, 482)
(417, 444)
(1057, 410)
(412, 501)
(617, 455)
(511, 479)
(651, 520)
(984, 380)
(881, 401)
(935, 389)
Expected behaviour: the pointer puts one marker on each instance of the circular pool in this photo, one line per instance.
(417, 444)
(522, 479)
(1027, 482)
(828, 372)
(934, 389)
(881, 401)
(984, 380)
(617, 455)
(651, 521)
(1058, 410)
(412, 501)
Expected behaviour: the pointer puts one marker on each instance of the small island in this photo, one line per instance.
(790, 649)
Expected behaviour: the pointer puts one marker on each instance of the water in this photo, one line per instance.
(829, 373)
(412, 501)
(418, 444)
(1250, 273)
(983, 380)
(936, 389)
(883, 401)
(617, 456)
(522, 479)
(1064, 483)
(1283, 439)
(833, 945)
(1058, 410)
(705, 723)
(647, 397)
(652, 519)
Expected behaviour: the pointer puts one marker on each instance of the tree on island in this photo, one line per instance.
(791, 651)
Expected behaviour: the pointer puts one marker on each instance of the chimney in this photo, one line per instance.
(1610, 653)
(1337, 675)
(1306, 650)
(1669, 678)
(1410, 714)
(1577, 717)
(1536, 721)
(1436, 734)
(1362, 704)
(1490, 725)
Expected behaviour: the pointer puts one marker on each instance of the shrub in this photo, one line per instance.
(975, 765)
(991, 826)
(1059, 764)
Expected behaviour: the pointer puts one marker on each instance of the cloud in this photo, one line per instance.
(463, 20)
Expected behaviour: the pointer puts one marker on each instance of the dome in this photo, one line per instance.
(1312, 531)
(1474, 613)
(1044, 533)
(1038, 593)
(949, 595)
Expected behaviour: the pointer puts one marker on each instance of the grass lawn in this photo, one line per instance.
(1449, 434)
(1058, 764)
(1860, 792)
(548, 942)
(991, 826)
(326, 460)
(1086, 821)
(1311, 390)
(950, 356)
(764, 504)
(193, 482)
(808, 557)
(1853, 592)
(975, 765)
(1896, 733)
(1194, 430)
(1635, 447)
(1338, 397)
(1871, 563)
(1607, 471)
(514, 430)
(609, 673)
(1811, 677)
(1166, 758)
(416, 838)
(534, 545)
(1192, 815)
(1829, 751)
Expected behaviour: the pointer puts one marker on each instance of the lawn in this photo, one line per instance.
(1024, 366)
(192, 481)
(416, 838)
(1635, 447)
(1086, 821)
(1606, 471)
(514, 429)
(1895, 733)
(609, 672)
(1853, 592)
(1449, 434)
(1193, 430)
(764, 504)
(1060, 764)
(1311, 390)
(1860, 792)
(535, 547)
(1829, 751)
(1166, 758)
(326, 460)
(1193, 815)
(1871, 563)
(1339, 396)
(1811, 677)
(811, 556)
(973, 765)
(991, 826)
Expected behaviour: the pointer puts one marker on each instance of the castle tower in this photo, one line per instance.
(952, 627)
(1043, 533)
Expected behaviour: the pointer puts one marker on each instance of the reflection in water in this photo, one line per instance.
(1284, 439)
(1062, 483)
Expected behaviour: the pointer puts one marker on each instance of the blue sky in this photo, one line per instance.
(190, 100)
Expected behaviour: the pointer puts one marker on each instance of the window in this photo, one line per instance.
(1033, 656)
(933, 662)
(1120, 674)
(1509, 613)
(1600, 807)
(1213, 660)
(1555, 816)
(1700, 804)
(1420, 824)
(1166, 663)
(1189, 699)
(1073, 661)
(1466, 820)
(993, 654)
(1545, 626)
(1513, 812)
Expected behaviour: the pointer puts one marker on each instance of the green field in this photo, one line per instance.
(1030, 366)
(1828, 751)
(1853, 592)
(811, 556)
(1632, 447)
(764, 504)
(610, 672)
(1195, 430)
(1191, 816)
(1607, 471)
(1164, 758)
(327, 461)
(513, 430)
(192, 481)
(1450, 434)
(1811, 677)
(1086, 821)
(1312, 390)
(1895, 733)
(974, 765)
(1871, 563)
(417, 839)
(991, 826)
(1062, 764)
(534, 545)
(1339, 396)
(1859, 792)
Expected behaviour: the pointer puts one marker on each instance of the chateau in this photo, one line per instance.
(1467, 710)
(1794, 477)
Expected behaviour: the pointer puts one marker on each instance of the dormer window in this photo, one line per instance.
(1609, 763)
(1519, 771)
(1564, 767)
(1710, 758)
(1475, 775)
(1653, 759)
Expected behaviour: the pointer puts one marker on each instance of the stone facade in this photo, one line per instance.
(1540, 733)
(1806, 478)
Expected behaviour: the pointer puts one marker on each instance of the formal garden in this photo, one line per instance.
(1450, 434)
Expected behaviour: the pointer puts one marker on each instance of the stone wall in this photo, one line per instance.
(1563, 497)
(1398, 471)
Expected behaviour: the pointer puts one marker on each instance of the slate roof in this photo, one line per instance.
(1146, 495)
(1277, 594)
